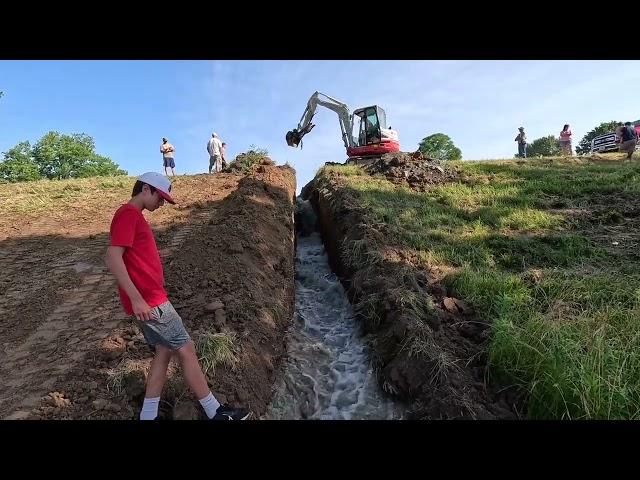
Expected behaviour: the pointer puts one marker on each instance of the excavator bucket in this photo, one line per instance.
(294, 137)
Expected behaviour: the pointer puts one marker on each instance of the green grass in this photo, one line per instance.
(216, 349)
(245, 161)
(47, 195)
(53, 196)
(278, 312)
(571, 338)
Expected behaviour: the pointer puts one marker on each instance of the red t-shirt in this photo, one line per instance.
(130, 229)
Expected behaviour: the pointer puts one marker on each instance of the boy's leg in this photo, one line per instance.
(196, 380)
(158, 371)
(169, 329)
(155, 382)
(198, 384)
(191, 370)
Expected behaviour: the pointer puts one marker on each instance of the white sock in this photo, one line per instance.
(210, 405)
(150, 408)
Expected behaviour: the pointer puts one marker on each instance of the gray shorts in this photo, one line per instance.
(166, 329)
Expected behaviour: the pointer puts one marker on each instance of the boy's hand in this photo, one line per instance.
(142, 310)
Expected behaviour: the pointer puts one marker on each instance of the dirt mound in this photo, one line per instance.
(430, 346)
(411, 169)
(227, 248)
(250, 161)
(236, 277)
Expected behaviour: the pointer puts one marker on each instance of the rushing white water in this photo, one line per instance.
(327, 374)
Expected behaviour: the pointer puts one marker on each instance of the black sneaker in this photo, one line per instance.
(226, 412)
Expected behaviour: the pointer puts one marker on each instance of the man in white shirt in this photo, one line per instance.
(214, 147)
(167, 157)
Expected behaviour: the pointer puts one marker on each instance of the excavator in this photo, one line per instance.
(364, 132)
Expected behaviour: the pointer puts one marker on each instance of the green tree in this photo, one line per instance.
(585, 144)
(61, 156)
(546, 146)
(439, 146)
(18, 165)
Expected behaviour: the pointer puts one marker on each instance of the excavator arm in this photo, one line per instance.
(294, 137)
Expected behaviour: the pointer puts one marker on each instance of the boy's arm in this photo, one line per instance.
(116, 265)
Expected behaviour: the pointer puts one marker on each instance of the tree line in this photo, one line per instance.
(56, 156)
(441, 147)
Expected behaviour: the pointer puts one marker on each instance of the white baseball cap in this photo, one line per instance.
(160, 182)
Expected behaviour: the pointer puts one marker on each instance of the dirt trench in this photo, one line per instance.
(429, 347)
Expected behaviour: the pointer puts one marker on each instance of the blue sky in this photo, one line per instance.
(128, 106)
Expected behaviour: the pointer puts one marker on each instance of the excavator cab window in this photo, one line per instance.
(367, 123)
(372, 126)
(359, 135)
(382, 117)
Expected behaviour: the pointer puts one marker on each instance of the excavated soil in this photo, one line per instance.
(68, 349)
(413, 170)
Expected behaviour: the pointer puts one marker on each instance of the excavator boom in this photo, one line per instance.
(373, 136)
(294, 137)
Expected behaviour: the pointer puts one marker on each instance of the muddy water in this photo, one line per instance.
(327, 375)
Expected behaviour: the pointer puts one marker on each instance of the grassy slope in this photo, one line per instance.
(521, 245)
(45, 195)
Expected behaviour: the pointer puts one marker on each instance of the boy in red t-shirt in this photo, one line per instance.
(133, 258)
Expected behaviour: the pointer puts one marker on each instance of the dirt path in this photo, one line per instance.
(68, 349)
(31, 365)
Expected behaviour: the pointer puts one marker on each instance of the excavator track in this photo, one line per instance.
(368, 160)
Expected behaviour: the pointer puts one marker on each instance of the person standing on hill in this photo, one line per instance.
(223, 154)
(521, 138)
(214, 147)
(565, 140)
(628, 139)
(167, 156)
